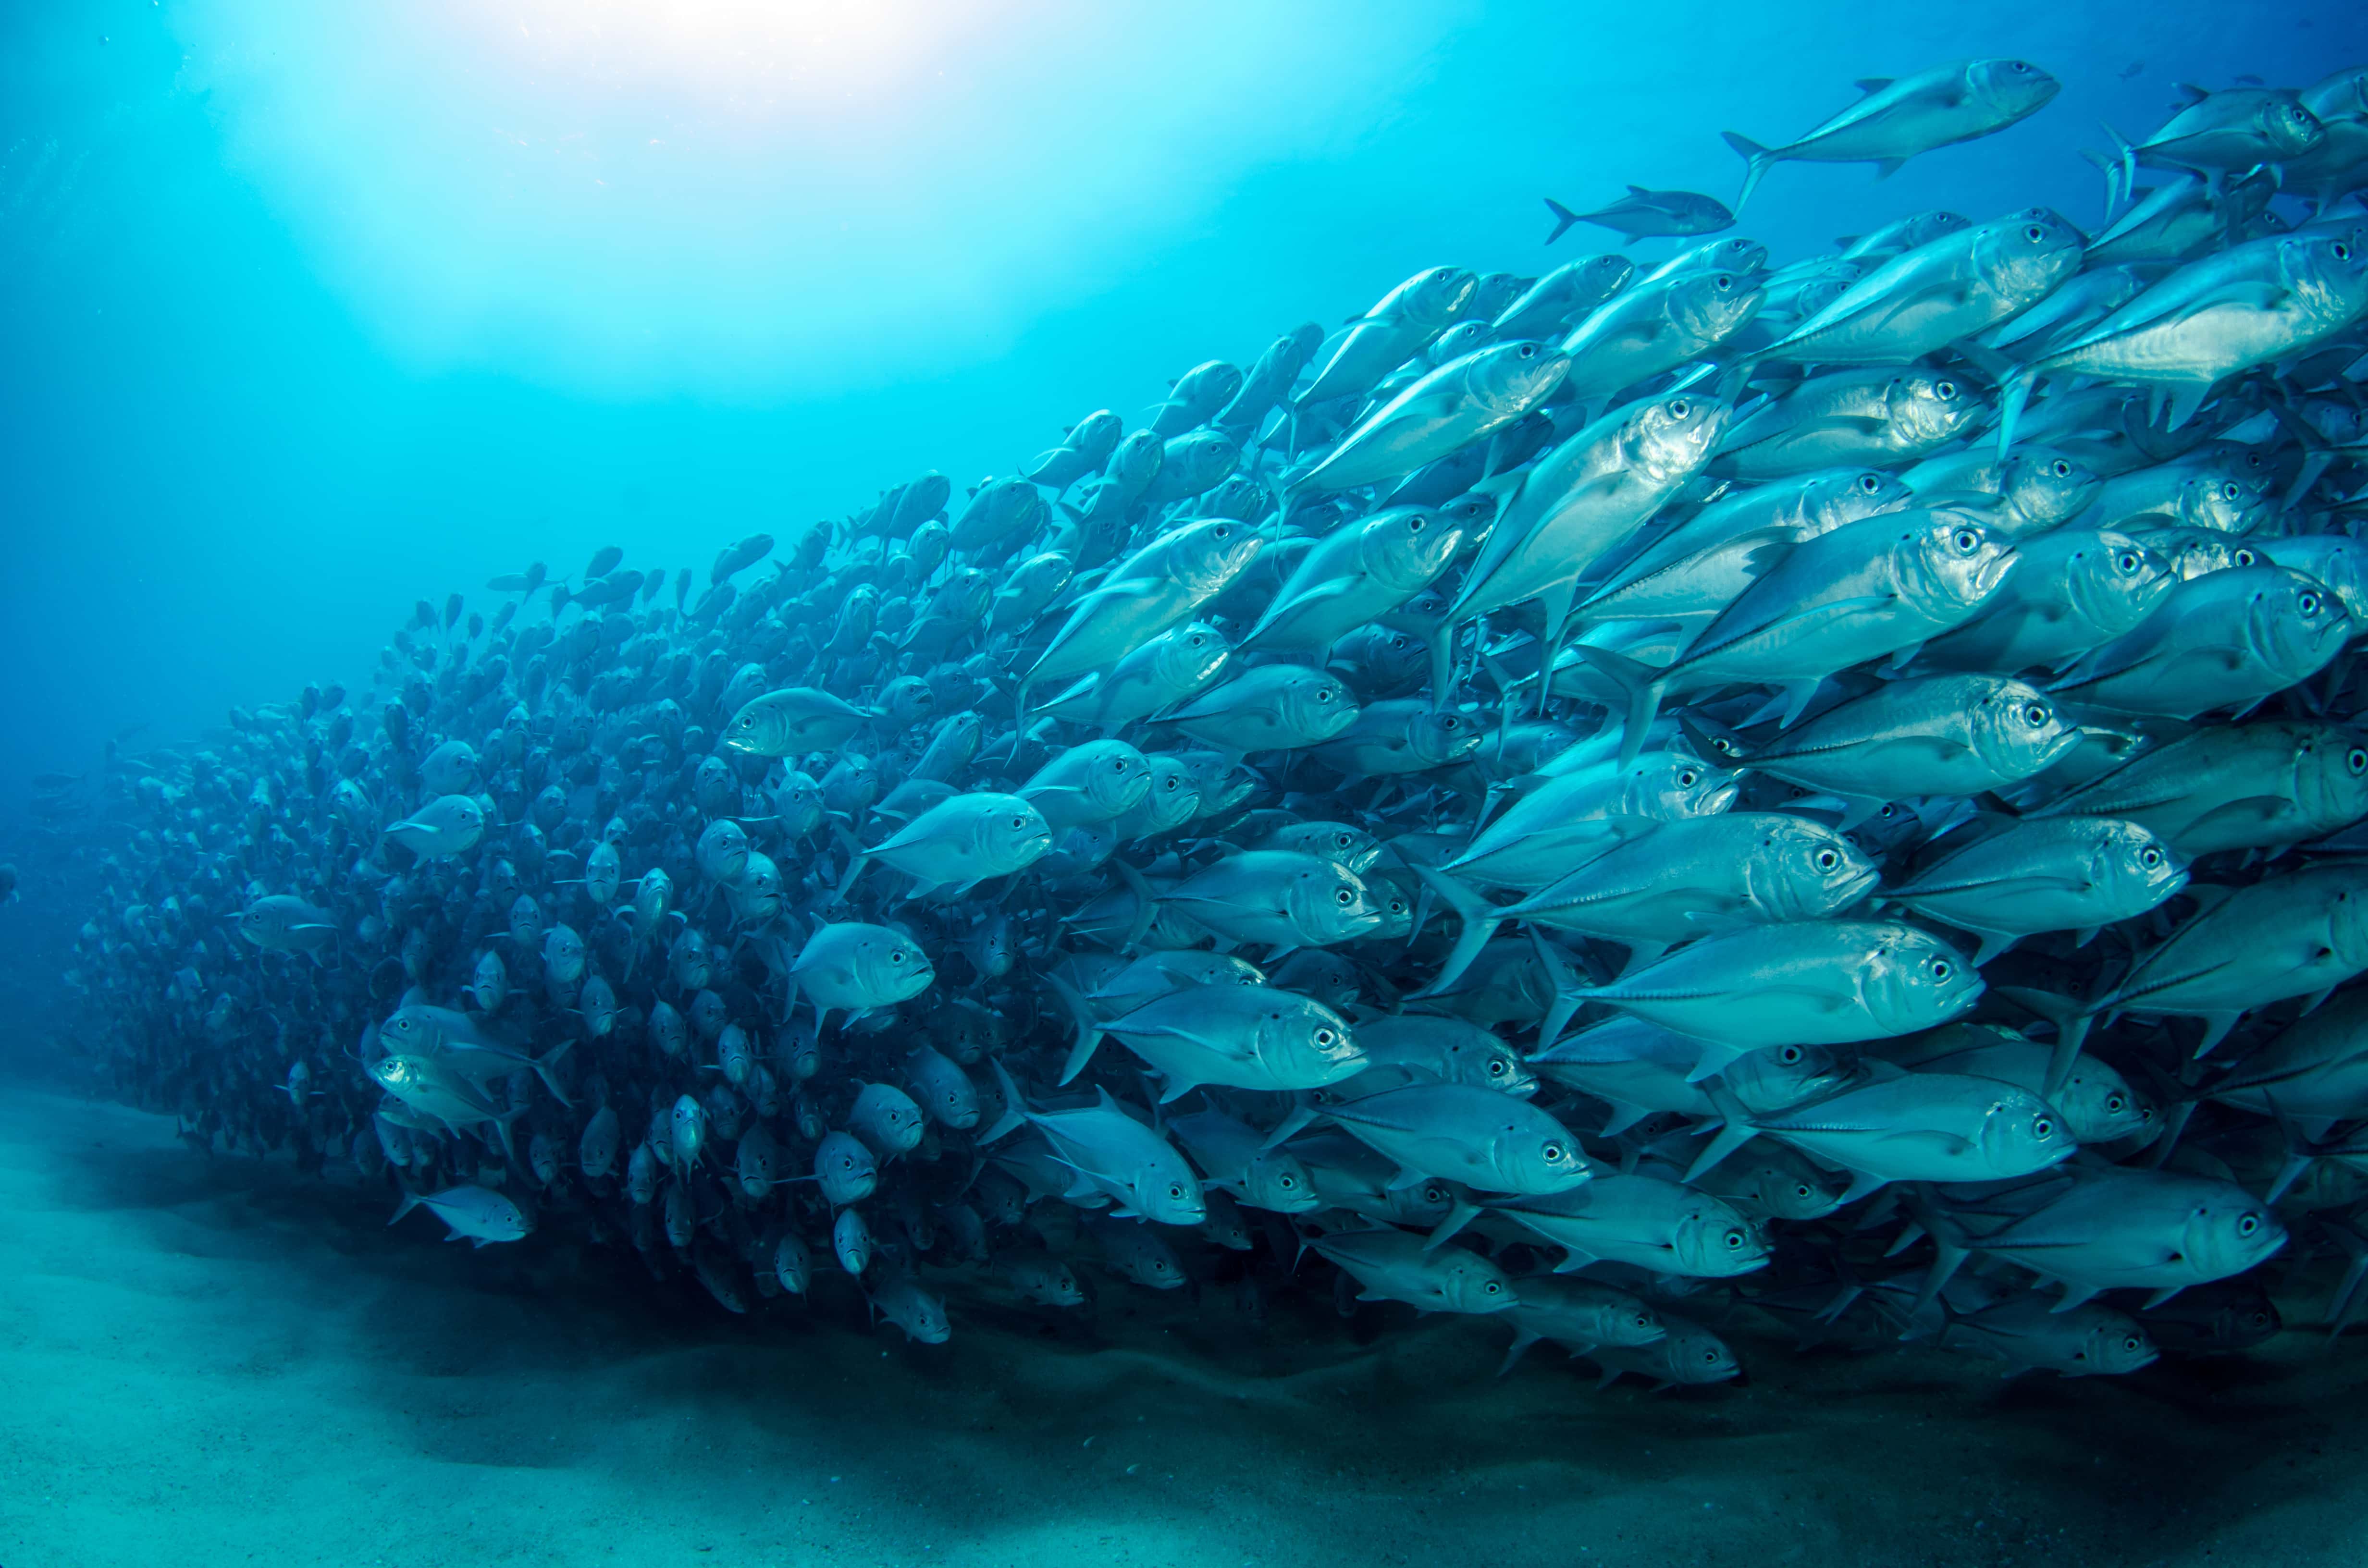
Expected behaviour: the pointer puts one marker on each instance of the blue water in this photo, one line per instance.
(313, 311)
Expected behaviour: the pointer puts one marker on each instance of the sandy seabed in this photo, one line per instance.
(213, 1359)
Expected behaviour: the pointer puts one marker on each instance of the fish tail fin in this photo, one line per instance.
(1459, 1215)
(2014, 391)
(542, 1065)
(2355, 1247)
(1146, 904)
(1015, 1113)
(1569, 995)
(1756, 160)
(1089, 1031)
(1643, 685)
(1733, 1134)
(1442, 664)
(1301, 1116)
(410, 1201)
(1564, 219)
(2071, 1020)
(1949, 1251)
(1480, 922)
(1522, 1340)
(2120, 166)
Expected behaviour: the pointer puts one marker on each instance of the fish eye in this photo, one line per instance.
(2249, 1224)
(1965, 540)
(1680, 408)
(1943, 968)
(1323, 1037)
(2043, 1127)
(2342, 251)
(1414, 525)
(1019, 821)
(2307, 603)
(2035, 715)
(2127, 561)
(1870, 482)
(2357, 760)
(1118, 765)
(2034, 234)
(1554, 1153)
(897, 955)
(1529, 351)
(1687, 780)
(2132, 1343)
(1221, 531)
(1828, 859)
(1735, 1240)
(1450, 722)
(1286, 1181)
(1493, 1288)
(1495, 1069)
(1945, 391)
(1789, 1055)
(2060, 469)
(2115, 1105)
(1804, 1191)
(1323, 694)
(1176, 1190)
(2228, 491)
(2245, 558)
(1443, 275)
(1344, 898)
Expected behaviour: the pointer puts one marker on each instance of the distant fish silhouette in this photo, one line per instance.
(1647, 214)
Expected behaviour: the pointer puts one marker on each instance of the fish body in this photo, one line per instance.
(1898, 118)
(1646, 214)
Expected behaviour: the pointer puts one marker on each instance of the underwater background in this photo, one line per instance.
(316, 311)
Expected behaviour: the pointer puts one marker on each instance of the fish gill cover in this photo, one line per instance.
(1662, 805)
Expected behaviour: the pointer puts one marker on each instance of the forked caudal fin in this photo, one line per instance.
(1643, 685)
(1756, 161)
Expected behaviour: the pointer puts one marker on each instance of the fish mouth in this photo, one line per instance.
(1856, 887)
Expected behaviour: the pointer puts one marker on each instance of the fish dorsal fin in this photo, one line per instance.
(1638, 190)
(1872, 84)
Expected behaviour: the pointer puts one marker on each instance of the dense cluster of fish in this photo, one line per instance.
(1648, 803)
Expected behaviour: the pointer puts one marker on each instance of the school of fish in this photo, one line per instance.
(1661, 805)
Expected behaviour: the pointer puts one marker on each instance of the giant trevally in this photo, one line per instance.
(2211, 319)
(2071, 592)
(1940, 293)
(2048, 874)
(1812, 982)
(1865, 590)
(1898, 118)
(1462, 402)
(1647, 214)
